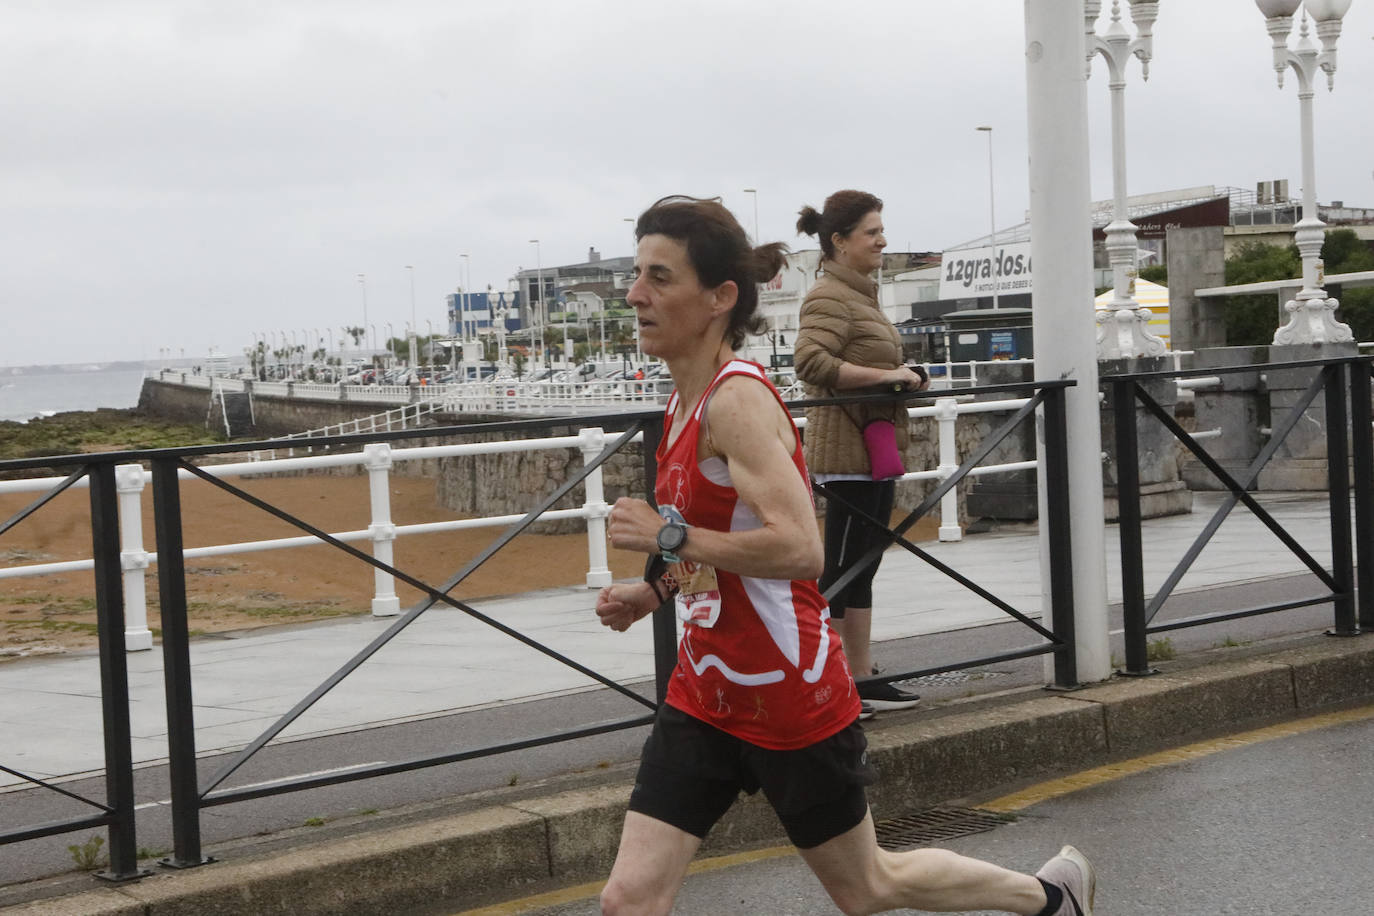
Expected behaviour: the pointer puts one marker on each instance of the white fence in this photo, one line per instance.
(378, 459)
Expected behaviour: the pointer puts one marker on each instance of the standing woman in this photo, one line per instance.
(847, 346)
(760, 697)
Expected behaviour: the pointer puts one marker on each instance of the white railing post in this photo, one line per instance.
(947, 416)
(133, 559)
(385, 603)
(598, 569)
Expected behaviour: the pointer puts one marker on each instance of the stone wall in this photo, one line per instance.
(1162, 490)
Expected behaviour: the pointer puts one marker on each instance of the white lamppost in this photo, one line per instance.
(362, 281)
(1311, 316)
(634, 252)
(992, 222)
(463, 299)
(410, 336)
(539, 278)
(1123, 330)
(755, 195)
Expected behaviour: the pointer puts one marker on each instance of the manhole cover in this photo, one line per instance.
(935, 825)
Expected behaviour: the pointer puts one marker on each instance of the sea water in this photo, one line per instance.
(29, 393)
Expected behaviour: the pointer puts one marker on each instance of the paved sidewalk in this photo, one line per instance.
(244, 682)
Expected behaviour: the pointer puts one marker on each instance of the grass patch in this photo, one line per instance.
(1160, 650)
(87, 855)
(278, 612)
(81, 431)
(69, 626)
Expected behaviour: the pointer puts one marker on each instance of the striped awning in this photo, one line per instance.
(1151, 296)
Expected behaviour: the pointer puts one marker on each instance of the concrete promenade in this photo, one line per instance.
(445, 662)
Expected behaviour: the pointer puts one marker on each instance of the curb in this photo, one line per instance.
(504, 850)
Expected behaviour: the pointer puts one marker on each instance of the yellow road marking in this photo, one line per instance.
(587, 891)
(1007, 804)
(1097, 776)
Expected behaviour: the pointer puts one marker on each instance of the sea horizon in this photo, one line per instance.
(31, 394)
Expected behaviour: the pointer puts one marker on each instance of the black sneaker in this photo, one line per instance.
(887, 696)
(866, 711)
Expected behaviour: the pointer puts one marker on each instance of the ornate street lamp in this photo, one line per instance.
(1123, 329)
(1311, 316)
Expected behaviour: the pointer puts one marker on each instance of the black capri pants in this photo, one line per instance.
(849, 536)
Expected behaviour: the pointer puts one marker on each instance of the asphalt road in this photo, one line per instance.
(361, 805)
(1278, 826)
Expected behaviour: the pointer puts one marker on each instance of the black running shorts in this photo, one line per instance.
(690, 774)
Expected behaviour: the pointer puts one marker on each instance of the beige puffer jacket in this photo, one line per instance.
(841, 323)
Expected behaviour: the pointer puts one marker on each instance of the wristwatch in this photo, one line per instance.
(671, 537)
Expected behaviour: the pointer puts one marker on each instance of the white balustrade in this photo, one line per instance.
(379, 458)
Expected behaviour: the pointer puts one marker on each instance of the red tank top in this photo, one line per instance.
(757, 658)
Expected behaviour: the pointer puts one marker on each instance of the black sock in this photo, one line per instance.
(1054, 897)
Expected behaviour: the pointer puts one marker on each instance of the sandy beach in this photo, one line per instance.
(56, 613)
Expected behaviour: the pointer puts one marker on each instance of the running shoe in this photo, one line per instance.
(887, 696)
(866, 711)
(1072, 873)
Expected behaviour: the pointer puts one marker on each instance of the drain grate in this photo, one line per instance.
(953, 677)
(935, 825)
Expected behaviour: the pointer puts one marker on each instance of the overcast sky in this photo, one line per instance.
(185, 175)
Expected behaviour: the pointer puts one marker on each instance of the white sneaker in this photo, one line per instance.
(1071, 872)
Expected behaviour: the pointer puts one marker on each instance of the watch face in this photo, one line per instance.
(671, 536)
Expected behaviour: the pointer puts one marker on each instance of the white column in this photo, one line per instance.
(946, 419)
(133, 559)
(1065, 338)
(598, 568)
(385, 603)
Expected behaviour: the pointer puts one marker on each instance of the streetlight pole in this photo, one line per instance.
(634, 253)
(992, 222)
(773, 318)
(362, 280)
(463, 299)
(1311, 316)
(414, 325)
(539, 275)
(1123, 329)
(755, 194)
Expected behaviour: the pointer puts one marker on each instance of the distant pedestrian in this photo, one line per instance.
(761, 696)
(846, 345)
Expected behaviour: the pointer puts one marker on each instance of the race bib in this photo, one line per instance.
(698, 597)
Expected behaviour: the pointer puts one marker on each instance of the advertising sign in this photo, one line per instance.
(972, 272)
(1215, 212)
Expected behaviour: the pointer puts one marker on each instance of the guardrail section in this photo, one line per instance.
(1333, 379)
(116, 813)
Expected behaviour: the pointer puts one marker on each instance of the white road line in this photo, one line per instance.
(255, 785)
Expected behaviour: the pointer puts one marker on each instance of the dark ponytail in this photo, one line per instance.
(844, 210)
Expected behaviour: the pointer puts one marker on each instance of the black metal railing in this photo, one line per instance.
(1059, 638)
(190, 795)
(1336, 380)
(116, 812)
